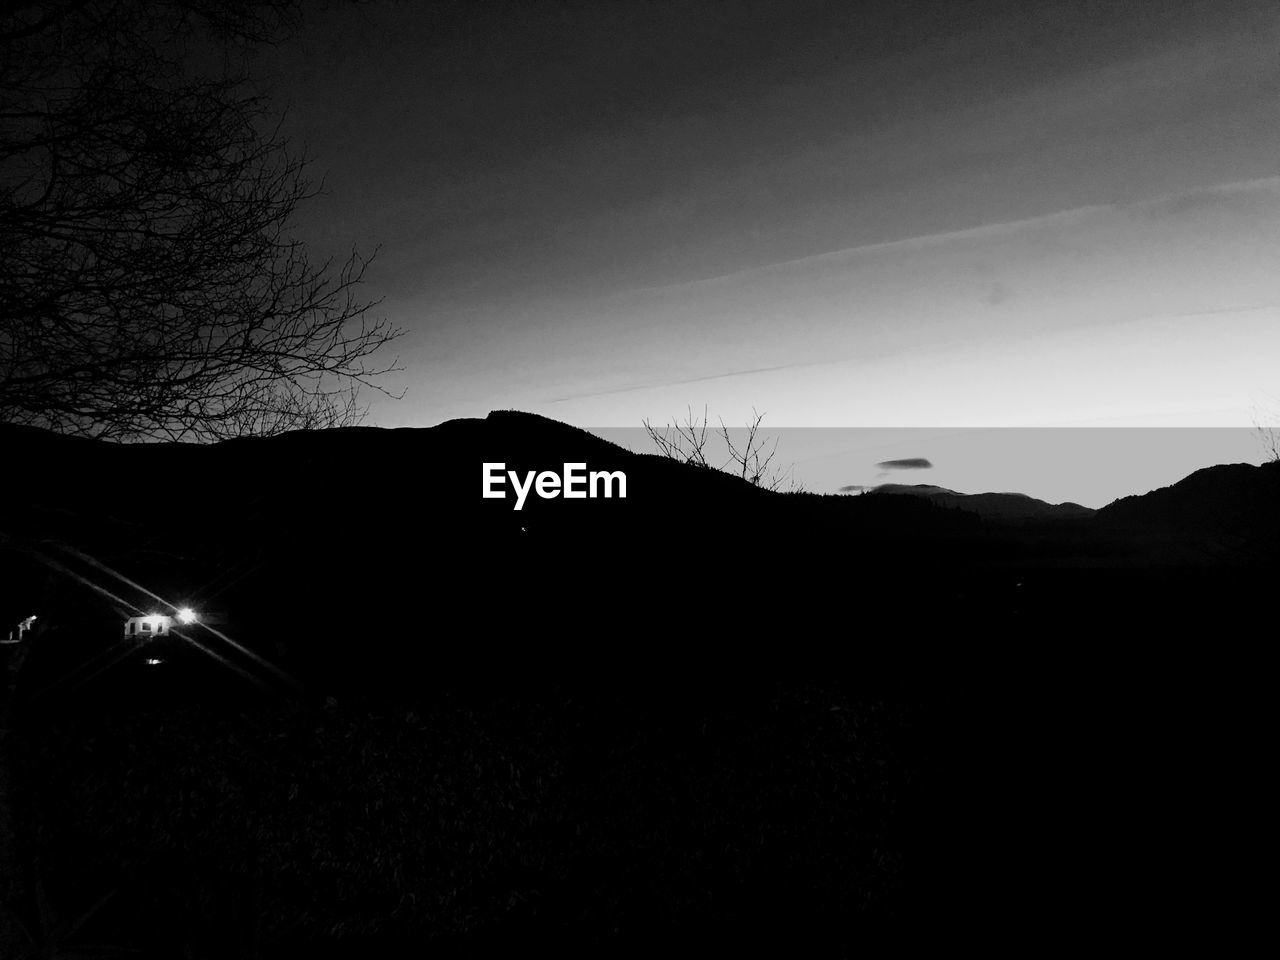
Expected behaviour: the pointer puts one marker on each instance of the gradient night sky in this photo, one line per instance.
(927, 214)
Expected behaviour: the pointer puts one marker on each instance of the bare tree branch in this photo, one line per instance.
(687, 442)
(1269, 439)
(150, 285)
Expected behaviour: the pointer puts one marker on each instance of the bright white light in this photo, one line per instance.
(154, 621)
(186, 615)
(152, 661)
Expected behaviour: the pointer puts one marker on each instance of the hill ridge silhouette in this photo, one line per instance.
(319, 528)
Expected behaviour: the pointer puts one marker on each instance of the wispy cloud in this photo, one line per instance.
(1154, 208)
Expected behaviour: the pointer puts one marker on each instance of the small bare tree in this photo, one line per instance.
(1264, 420)
(687, 441)
(1270, 438)
(684, 441)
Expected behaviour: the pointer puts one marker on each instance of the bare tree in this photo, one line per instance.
(684, 441)
(687, 441)
(149, 283)
(1269, 437)
(1265, 419)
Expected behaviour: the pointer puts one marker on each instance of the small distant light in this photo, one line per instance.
(152, 662)
(186, 615)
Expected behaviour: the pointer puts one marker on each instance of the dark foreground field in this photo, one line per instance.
(463, 821)
(628, 818)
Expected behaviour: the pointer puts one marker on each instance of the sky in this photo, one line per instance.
(929, 215)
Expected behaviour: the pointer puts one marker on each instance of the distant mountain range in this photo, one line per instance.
(997, 506)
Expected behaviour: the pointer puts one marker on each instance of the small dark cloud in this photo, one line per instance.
(910, 463)
(854, 488)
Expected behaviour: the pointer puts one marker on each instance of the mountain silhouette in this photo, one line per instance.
(995, 506)
(1229, 496)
